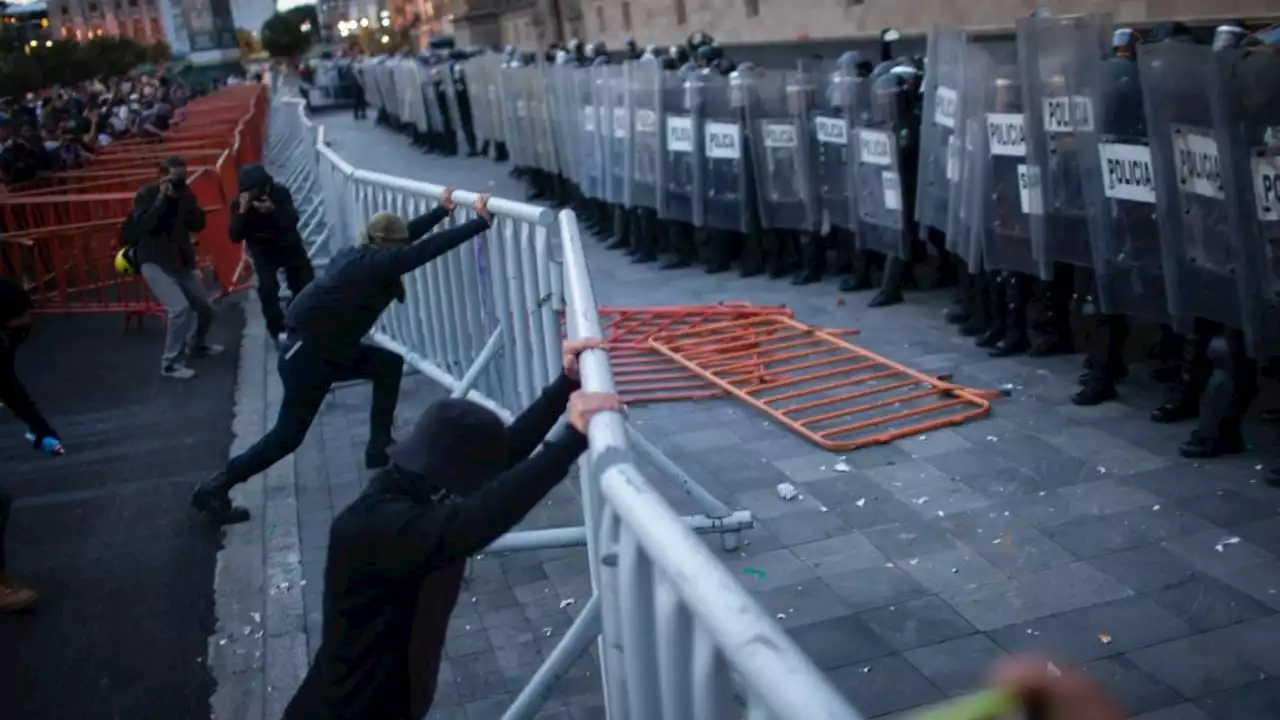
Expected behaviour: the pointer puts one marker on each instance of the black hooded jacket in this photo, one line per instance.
(396, 554)
(341, 306)
(273, 233)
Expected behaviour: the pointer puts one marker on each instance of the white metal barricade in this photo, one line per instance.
(680, 639)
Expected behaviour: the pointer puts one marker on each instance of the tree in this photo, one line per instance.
(282, 37)
(25, 68)
(306, 16)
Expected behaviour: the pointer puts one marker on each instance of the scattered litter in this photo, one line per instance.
(1101, 470)
(247, 630)
(781, 616)
(1007, 388)
(223, 641)
(913, 561)
(1224, 542)
(787, 491)
(862, 502)
(473, 600)
(757, 573)
(1105, 638)
(1155, 507)
(822, 508)
(1053, 670)
(302, 584)
(1032, 631)
(841, 466)
(546, 632)
(866, 669)
(941, 514)
(1257, 467)
(921, 500)
(992, 438)
(257, 617)
(955, 571)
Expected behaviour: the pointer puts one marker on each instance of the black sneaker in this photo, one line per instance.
(376, 459)
(213, 498)
(205, 350)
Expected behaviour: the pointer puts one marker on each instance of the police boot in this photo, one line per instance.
(842, 241)
(646, 237)
(861, 278)
(997, 298)
(538, 185)
(961, 309)
(1053, 328)
(1218, 432)
(891, 284)
(621, 229)
(1166, 352)
(1195, 369)
(813, 260)
(1104, 364)
(682, 244)
(500, 152)
(979, 298)
(1015, 340)
(754, 251)
(713, 249)
(213, 498)
(781, 252)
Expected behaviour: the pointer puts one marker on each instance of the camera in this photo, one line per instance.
(178, 184)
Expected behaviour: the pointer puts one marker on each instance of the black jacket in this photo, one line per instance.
(341, 306)
(265, 233)
(163, 228)
(396, 555)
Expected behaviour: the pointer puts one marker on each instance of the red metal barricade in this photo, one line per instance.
(61, 232)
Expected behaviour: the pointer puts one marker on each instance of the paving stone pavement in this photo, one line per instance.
(1077, 531)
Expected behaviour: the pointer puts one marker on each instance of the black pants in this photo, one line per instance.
(6, 504)
(15, 396)
(307, 375)
(297, 272)
(361, 110)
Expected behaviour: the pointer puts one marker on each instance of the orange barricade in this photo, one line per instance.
(836, 395)
(643, 375)
(61, 232)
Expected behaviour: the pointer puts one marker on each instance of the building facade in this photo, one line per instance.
(80, 20)
(775, 21)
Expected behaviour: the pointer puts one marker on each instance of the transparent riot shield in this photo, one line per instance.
(534, 92)
(1119, 179)
(452, 109)
(779, 113)
(1193, 214)
(515, 109)
(1246, 109)
(616, 85)
(1013, 188)
(554, 76)
(365, 76)
(1057, 55)
(833, 124)
(430, 79)
(479, 72)
(944, 84)
(967, 161)
(591, 162)
(415, 111)
(724, 153)
(407, 77)
(646, 149)
(680, 195)
(881, 205)
(387, 77)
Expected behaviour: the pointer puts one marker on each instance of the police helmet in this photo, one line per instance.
(1228, 36)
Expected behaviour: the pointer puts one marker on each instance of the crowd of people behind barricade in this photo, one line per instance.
(61, 128)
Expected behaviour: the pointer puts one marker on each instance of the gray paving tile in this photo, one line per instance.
(1258, 641)
(1196, 666)
(916, 623)
(1261, 581)
(1208, 552)
(1144, 568)
(1105, 496)
(1255, 700)
(1034, 595)
(875, 587)
(806, 526)
(835, 555)
(809, 601)
(1094, 535)
(773, 569)
(1183, 711)
(884, 686)
(839, 642)
(957, 666)
(911, 540)
(765, 503)
(1226, 508)
(1095, 632)
(1206, 603)
(1131, 687)
(952, 570)
(934, 444)
(810, 467)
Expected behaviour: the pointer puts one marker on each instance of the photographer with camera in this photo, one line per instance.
(165, 215)
(264, 218)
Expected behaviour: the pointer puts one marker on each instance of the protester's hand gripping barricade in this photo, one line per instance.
(62, 231)
(681, 637)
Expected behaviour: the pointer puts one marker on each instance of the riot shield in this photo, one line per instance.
(779, 113)
(452, 110)
(387, 78)
(430, 86)
(590, 160)
(539, 130)
(557, 79)
(832, 157)
(646, 148)
(881, 205)
(480, 73)
(1246, 109)
(1119, 180)
(407, 77)
(944, 85)
(415, 112)
(515, 110)
(1013, 188)
(967, 161)
(680, 195)
(1056, 55)
(365, 75)
(616, 86)
(724, 152)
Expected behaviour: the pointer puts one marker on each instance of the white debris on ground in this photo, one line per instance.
(787, 491)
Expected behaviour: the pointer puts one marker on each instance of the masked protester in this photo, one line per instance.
(322, 345)
(165, 215)
(265, 220)
(397, 554)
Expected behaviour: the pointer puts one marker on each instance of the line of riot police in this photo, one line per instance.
(1075, 171)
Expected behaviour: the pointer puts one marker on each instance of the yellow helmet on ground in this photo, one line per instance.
(126, 261)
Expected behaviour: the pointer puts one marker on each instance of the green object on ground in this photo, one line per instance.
(753, 571)
(984, 705)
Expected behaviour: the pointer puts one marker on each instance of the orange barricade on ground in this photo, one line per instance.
(61, 232)
(836, 395)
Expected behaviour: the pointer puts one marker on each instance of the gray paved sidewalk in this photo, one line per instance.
(1075, 531)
